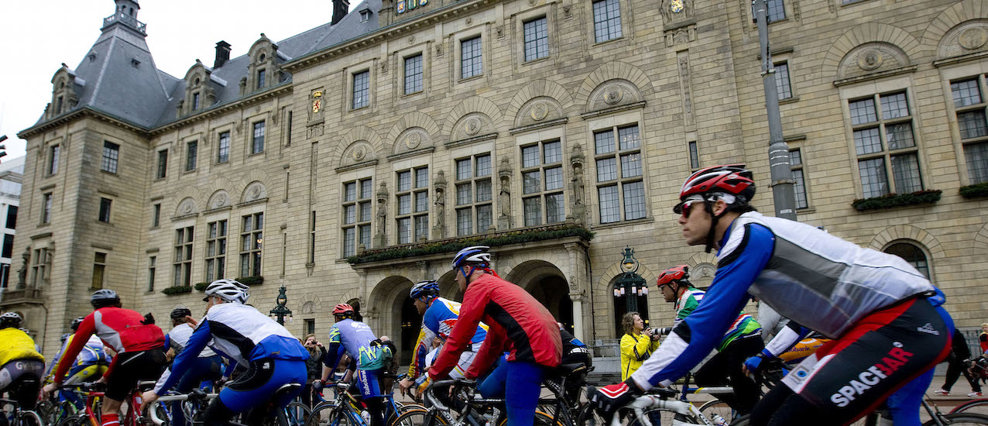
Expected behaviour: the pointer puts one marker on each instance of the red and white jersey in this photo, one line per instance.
(118, 328)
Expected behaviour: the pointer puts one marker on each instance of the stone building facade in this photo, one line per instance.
(423, 125)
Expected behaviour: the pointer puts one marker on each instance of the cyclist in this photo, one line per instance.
(21, 365)
(742, 340)
(356, 339)
(885, 317)
(91, 364)
(206, 367)
(438, 317)
(135, 339)
(516, 323)
(272, 356)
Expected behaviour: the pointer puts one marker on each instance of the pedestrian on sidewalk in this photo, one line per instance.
(957, 364)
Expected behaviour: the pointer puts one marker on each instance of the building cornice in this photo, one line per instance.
(283, 88)
(81, 113)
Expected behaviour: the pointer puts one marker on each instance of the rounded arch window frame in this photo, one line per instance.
(931, 270)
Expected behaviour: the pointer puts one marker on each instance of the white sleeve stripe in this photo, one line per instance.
(670, 349)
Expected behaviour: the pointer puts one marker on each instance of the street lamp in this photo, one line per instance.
(280, 311)
(630, 285)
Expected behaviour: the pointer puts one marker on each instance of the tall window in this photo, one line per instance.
(474, 212)
(182, 264)
(619, 174)
(261, 74)
(606, 20)
(104, 209)
(542, 183)
(776, 11)
(257, 144)
(11, 222)
(912, 255)
(216, 250)
(413, 74)
(782, 85)
(195, 101)
(412, 199)
(46, 202)
(156, 215)
(4, 275)
(223, 150)
(536, 39)
(251, 240)
(361, 90)
(111, 154)
(883, 141)
(356, 215)
(162, 164)
(191, 155)
(53, 154)
(969, 102)
(471, 58)
(99, 270)
(799, 181)
(39, 266)
(312, 238)
(8, 246)
(310, 326)
(694, 156)
(152, 267)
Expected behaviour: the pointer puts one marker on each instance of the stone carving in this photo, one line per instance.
(686, 92)
(439, 229)
(972, 38)
(577, 187)
(871, 58)
(539, 111)
(382, 214)
(472, 126)
(255, 191)
(504, 196)
(22, 273)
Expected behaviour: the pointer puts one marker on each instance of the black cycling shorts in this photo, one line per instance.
(130, 368)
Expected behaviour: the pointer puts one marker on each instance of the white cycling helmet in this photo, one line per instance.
(228, 290)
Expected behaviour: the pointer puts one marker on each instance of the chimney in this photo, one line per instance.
(222, 54)
(340, 9)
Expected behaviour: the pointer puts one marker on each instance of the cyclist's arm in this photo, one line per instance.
(334, 351)
(421, 348)
(79, 339)
(489, 352)
(471, 311)
(788, 337)
(199, 339)
(693, 338)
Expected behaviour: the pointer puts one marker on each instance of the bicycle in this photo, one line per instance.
(90, 415)
(345, 408)
(476, 411)
(18, 416)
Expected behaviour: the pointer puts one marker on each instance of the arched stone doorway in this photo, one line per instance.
(395, 314)
(548, 285)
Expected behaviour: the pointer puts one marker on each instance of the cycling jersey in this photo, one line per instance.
(178, 337)
(121, 329)
(92, 354)
(438, 321)
(743, 326)
(239, 333)
(15, 344)
(816, 279)
(516, 322)
(352, 337)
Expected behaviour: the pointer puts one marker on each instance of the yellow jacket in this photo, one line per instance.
(16, 344)
(634, 351)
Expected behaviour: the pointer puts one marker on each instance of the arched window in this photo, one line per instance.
(911, 254)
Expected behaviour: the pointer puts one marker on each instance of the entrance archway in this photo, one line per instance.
(548, 285)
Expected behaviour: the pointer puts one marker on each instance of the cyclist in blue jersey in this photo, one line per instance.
(272, 356)
(208, 366)
(370, 355)
(91, 363)
(438, 317)
(885, 317)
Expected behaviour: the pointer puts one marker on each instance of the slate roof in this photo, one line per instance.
(120, 78)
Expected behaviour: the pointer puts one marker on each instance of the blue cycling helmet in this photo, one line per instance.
(424, 288)
(475, 255)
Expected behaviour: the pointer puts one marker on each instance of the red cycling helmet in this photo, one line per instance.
(343, 309)
(675, 273)
(731, 179)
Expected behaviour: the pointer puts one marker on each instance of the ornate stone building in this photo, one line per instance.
(350, 161)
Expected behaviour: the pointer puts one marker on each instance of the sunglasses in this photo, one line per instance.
(684, 207)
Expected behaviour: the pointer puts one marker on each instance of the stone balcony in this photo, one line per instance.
(21, 296)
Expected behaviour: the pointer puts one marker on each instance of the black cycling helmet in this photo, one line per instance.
(103, 298)
(180, 313)
(10, 319)
(75, 323)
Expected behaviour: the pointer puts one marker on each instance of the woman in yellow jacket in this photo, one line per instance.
(21, 366)
(636, 344)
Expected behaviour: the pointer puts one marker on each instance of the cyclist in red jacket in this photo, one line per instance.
(134, 337)
(517, 323)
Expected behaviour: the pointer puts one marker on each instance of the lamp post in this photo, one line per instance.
(280, 310)
(630, 285)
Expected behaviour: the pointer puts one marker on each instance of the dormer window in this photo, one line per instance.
(260, 77)
(58, 105)
(365, 15)
(195, 101)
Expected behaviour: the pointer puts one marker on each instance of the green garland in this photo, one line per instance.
(200, 286)
(889, 201)
(977, 190)
(452, 245)
(179, 289)
(249, 281)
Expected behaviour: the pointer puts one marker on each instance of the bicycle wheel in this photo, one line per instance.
(296, 413)
(718, 407)
(74, 420)
(28, 418)
(589, 417)
(326, 415)
(977, 406)
(417, 417)
(541, 419)
(960, 419)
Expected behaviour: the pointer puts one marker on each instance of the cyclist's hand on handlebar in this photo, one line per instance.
(49, 388)
(608, 399)
(423, 386)
(147, 398)
(405, 384)
(754, 364)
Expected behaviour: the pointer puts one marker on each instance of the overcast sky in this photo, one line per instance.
(39, 36)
